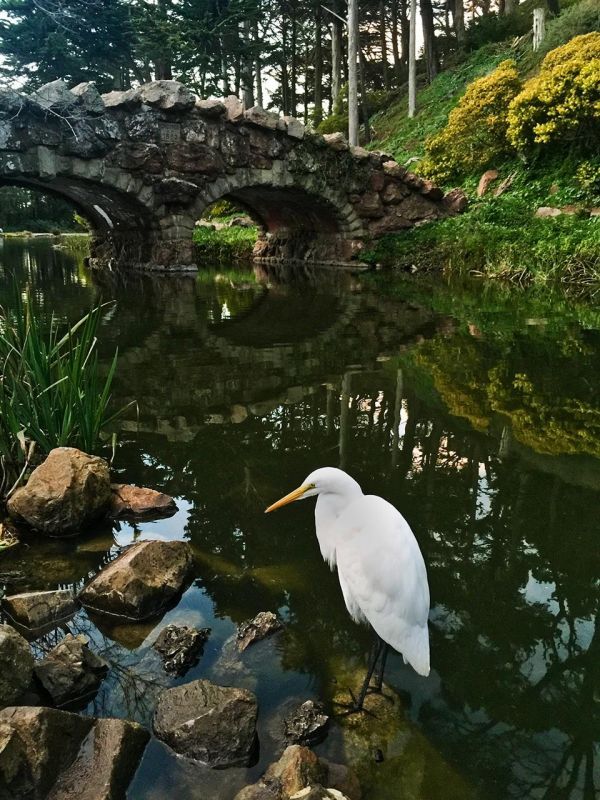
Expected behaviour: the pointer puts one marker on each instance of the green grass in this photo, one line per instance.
(53, 391)
(225, 244)
(499, 238)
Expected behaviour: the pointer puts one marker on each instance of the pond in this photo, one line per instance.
(476, 413)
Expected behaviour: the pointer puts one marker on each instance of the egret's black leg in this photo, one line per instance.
(359, 702)
(381, 670)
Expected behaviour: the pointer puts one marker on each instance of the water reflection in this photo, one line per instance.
(482, 427)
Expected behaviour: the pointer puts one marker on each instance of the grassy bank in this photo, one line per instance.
(224, 244)
(499, 237)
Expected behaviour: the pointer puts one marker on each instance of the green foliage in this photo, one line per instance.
(221, 209)
(23, 209)
(225, 244)
(588, 177)
(560, 104)
(493, 28)
(575, 20)
(475, 136)
(53, 391)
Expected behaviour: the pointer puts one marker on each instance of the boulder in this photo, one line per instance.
(71, 670)
(430, 190)
(337, 141)
(306, 725)
(167, 95)
(456, 201)
(179, 645)
(89, 98)
(294, 127)
(300, 773)
(105, 764)
(240, 222)
(45, 753)
(138, 501)
(16, 665)
(486, 180)
(548, 211)
(67, 490)
(127, 100)
(264, 624)
(141, 581)
(36, 610)
(393, 169)
(213, 109)
(215, 725)
(234, 108)
(55, 95)
(261, 118)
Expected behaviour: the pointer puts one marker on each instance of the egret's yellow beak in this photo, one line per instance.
(289, 498)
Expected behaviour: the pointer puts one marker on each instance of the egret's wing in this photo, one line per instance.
(383, 577)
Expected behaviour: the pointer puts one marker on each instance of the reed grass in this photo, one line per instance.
(53, 390)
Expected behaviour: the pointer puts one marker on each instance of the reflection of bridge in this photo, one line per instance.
(143, 165)
(232, 373)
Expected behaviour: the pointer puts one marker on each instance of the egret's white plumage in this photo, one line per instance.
(379, 563)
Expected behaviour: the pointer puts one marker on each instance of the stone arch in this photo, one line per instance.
(301, 219)
(123, 229)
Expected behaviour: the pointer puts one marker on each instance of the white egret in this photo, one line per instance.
(380, 566)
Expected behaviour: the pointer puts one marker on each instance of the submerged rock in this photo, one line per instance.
(36, 610)
(300, 773)
(138, 501)
(67, 490)
(264, 624)
(141, 581)
(16, 665)
(306, 725)
(70, 670)
(215, 725)
(179, 645)
(46, 753)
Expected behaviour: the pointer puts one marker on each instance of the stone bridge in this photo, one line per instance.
(143, 165)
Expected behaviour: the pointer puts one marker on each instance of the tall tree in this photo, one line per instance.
(429, 39)
(352, 72)
(412, 61)
(318, 61)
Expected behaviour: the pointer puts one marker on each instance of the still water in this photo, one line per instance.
(477, 414)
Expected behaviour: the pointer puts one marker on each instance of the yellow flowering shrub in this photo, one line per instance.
(562, 102)
(475, 134)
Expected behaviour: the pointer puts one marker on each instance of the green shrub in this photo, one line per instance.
(561, 104)
(52, 392)
(475, 135)
(576, 20)
(494, 27)
(588, 177)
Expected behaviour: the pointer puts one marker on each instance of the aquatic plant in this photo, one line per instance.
(53, 390)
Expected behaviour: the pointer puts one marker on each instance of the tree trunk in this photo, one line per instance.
(352, 72)
(363, 93)
(395, 34)
(539, 27)
(285, 93)
(258, 67)
(336, 64)
(412, 61)
(404, 33)
(383, 45)
(294, 59)
(246, 66)
(318, 112)
(554, 7)
(163, 70)
(429, 42)
(459, 21)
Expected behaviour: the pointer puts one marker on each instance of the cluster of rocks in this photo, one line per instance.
(70, 489)
(47, 751)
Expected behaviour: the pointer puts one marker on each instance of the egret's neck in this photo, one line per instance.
(327, 511)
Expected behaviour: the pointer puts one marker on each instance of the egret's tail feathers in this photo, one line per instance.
(416, 650)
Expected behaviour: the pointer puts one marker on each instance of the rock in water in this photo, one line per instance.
(179, 645)
(299, 770)
(70, 670)
(16, 665)
(306, 725)
(56, 755)
(215, 725)
(264, 624)
(137, 501)
(141, 581)
(36, 610)
(67, 490)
